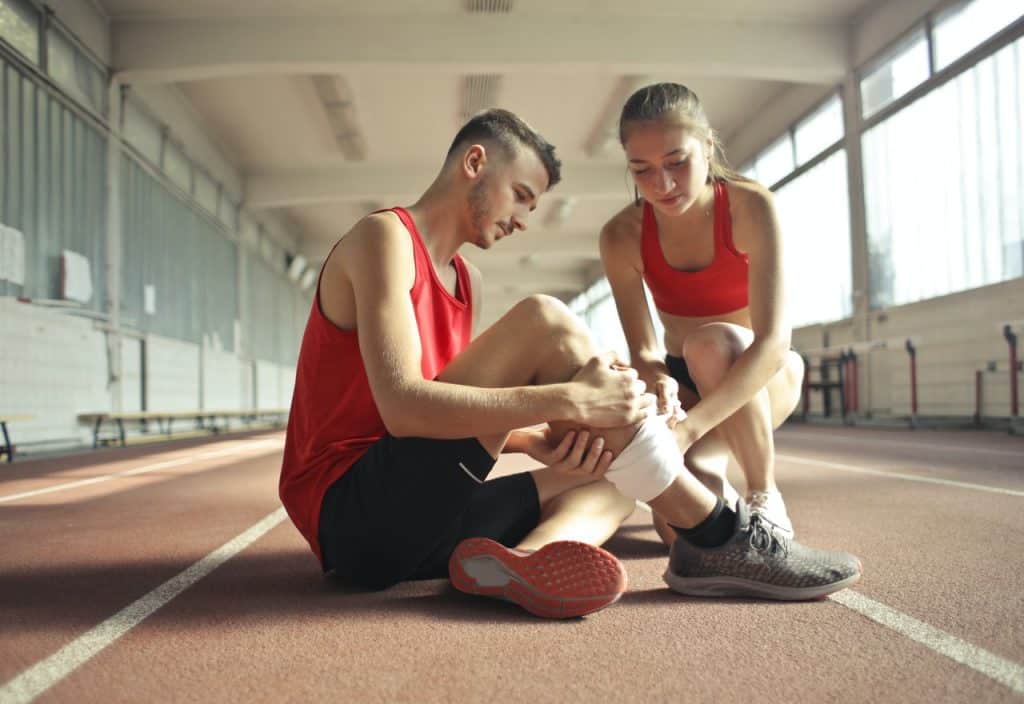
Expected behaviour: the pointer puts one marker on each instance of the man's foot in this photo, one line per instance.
(560, 580)
(759, 562)
(772, 508)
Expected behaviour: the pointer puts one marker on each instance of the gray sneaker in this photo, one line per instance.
(760, 562)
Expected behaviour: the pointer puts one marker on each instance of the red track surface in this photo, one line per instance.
(266, 626)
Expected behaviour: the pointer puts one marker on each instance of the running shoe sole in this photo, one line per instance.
(564, 579)
(738, 587)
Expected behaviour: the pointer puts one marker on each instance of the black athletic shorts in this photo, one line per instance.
(401, 509)
(680, 372)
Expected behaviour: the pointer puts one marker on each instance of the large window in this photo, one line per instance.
(76, 73)
(943, 186)
(19, 27)
(804, 141)
(819, 130)
(813, 206)
(905, 67)
(814, 214)
(962, 27)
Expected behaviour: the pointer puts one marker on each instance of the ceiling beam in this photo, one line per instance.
(164, 51)
(391, 183)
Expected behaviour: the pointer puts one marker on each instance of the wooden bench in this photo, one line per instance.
(203, 420)
(7, 446)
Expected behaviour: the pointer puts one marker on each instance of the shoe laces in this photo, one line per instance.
(763, 537)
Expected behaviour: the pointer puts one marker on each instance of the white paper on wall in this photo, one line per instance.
(149, 296)
(76, 281)
(12, 255)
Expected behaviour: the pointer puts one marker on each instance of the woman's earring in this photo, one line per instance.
(636, 196)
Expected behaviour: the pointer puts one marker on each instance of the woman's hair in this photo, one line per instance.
(676, 102)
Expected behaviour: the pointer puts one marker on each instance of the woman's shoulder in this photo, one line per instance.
(752, 211)
(749, 199)
(623, 227)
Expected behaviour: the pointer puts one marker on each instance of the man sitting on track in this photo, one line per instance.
(397, 419)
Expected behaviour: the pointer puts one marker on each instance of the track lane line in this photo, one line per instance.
(796, 435)
(38, 678)
(1005, 672)
(900, 475)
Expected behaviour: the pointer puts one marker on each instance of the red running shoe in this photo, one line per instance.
(561, 580)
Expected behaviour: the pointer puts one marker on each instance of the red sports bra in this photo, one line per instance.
(719, 288)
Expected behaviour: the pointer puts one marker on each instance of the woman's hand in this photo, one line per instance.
(577, 453)
(666, 389)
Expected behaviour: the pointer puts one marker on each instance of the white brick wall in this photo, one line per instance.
(222, 381)
(131, 374)
(268, 385)
(172, 374)
(286, 387)
(52, 366)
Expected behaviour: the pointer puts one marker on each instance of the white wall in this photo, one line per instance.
(52, 366)
(172, 374)
(131, 374)
(222, 381)
(957, 335)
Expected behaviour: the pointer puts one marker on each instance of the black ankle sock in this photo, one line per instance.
(714, 530)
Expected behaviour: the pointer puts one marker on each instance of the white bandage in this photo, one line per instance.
(650, 462)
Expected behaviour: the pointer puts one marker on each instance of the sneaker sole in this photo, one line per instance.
(735, 586)
(564, 579)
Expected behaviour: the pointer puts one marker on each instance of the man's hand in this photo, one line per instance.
(576, 454)
(609, 394)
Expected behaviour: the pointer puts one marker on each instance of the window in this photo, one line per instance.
(206, 192)
(903, 69)
(961, 28)
(944, 188)
(142, 132)
(177, 167)
(775, 162)
(19, 27)
(814, 213)
(818, 131)
(74, 71)
(227, 211)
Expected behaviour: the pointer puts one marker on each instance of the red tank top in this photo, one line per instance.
(334, 418)
(720, 288)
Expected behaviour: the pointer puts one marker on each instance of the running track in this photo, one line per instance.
(169, 573)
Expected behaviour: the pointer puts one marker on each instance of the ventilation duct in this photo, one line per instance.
(479, 93)
(492, 7)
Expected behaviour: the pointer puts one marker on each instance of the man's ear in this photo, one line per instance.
(473, 161)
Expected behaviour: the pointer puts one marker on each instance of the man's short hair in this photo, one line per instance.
(509, 132)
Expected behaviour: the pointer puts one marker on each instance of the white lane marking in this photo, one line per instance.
(38, 678)
(900, 475)
(132, 472)
(1007, 673)
(896, 443)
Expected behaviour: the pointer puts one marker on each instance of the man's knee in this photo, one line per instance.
(710, 351)
(549, 315)
(649, 464)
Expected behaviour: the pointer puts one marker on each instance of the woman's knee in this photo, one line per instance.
(711, 350)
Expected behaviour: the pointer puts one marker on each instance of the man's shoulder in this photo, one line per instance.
(377, 230)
